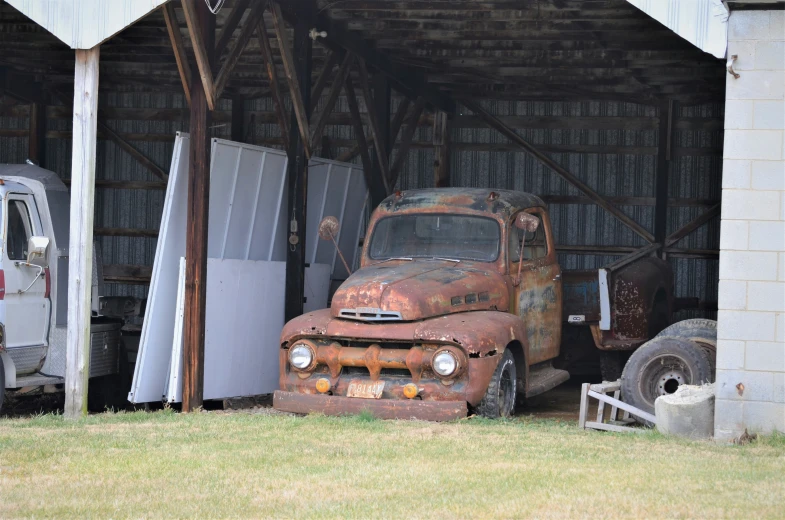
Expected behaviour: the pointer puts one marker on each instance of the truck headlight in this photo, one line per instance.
(444, 363)
(301, 356)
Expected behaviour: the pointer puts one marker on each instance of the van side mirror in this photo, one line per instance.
(36, 251)
(527, 222)
(328, 230)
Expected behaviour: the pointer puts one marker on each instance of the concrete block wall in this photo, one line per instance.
(751, 317)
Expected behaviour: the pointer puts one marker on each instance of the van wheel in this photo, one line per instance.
(2, 383)
(659, 367)
(499, 400)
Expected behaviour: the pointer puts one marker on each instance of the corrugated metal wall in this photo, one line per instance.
(622, 174)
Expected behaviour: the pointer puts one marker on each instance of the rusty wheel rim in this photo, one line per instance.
(663, 375)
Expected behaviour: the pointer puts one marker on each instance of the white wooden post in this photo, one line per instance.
(80, 248)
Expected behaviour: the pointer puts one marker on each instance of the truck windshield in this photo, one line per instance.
(459, 237)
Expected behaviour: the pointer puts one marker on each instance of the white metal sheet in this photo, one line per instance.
(241, 340)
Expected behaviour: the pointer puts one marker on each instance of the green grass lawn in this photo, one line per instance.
(218, 464)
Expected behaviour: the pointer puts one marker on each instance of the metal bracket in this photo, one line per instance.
(729, 66)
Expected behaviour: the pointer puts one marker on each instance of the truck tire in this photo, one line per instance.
(703, 332)
(659, 367)
(2, 383)
(499, 400)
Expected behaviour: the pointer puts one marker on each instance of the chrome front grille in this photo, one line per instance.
(370, 314)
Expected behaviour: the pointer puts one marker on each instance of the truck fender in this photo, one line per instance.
(10, 369)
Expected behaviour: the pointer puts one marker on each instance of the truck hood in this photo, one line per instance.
(419, 289)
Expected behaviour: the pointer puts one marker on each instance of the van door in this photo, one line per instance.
(538, 296)
(26, 297)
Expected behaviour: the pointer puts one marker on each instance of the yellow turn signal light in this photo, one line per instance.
(410, 390)
(323, 385)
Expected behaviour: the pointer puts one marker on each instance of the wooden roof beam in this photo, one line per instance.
(240, 43)
(202, 60)
(229, 27)
(180, 56)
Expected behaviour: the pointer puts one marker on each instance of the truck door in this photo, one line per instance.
(538, 295)
(26, 300)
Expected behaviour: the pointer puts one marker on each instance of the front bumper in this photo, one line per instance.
(380, 408)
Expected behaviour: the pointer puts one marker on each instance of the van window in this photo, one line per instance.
(19, 230)
(534, 244)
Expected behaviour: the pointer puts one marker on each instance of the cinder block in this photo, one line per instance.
(750, 205)
(728, 417)
(748, 265)
(766, 296)
(764, 418)
(779, 334)
(734, 234)
(745, 325)
(732, 295)
(779, 387)
(767, 236)
(753, 144)
(770, 55)
(755, 84)
(745, 385)
(761, 355)
(768, 114)
(736, 173)
(748, 25)
(730, 354)
(777, 25)
(768, 175)
(745, 52)
(739, 114)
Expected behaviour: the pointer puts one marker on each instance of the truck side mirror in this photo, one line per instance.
(328, 230)
(527, 222)
(36, 251)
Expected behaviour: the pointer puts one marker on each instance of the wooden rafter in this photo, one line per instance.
(693, 225)
(180, 57)
(398, 118)
(132, 151)
(232, 21)
(406, 140)
(324, 76)
(359, 132)
(493, 122)
(256, 14)
(285, 47)
(332, 97)
(272, 74)
(200, 51)
(373, 120)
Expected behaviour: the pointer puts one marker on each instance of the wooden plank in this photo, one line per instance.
(272, 75)
(132, 151)
(295, 92)
(584, 408)
(493, 122)
(614, 428)
(240, 43)
(693, 225)
(125, 232)
(398, 119)
(130, 274)
(200, 51)
(324, 76)
(80, 247)
(406, 140)
(624, 406)
(36, 134)
(203, 25)
(180, 57)
(332, 97)
(441, 143)
(382, 157)
(362, 144)
(232, 21)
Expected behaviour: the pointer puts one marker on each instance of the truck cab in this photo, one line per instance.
(457, 305)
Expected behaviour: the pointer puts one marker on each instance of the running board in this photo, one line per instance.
(38, 380)
(544, 377)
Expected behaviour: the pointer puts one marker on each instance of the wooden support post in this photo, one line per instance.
(36, 134)
(80, 247)
(196, 224)
(238, 120)
(297, 168)
(665, 145)
(441, 143)
(203, 48)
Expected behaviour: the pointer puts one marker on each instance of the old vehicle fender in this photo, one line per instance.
(10, 369)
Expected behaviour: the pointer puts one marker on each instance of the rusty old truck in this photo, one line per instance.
(460, 304)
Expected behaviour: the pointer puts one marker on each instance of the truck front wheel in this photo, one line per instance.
(659, 367)
(499, 400)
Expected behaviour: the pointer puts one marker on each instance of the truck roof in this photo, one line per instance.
(49, 180)
(481, 200)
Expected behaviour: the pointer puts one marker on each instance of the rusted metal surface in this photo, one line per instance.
(382, 409)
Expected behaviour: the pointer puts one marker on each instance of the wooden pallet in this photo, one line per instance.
(614, 422)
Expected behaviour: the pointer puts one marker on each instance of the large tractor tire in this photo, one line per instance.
(659, 367)
(499, 400)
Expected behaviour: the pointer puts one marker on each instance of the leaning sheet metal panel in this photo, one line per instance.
(241, 341)
(247, 222)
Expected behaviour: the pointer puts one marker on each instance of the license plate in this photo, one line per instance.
(365, 389)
